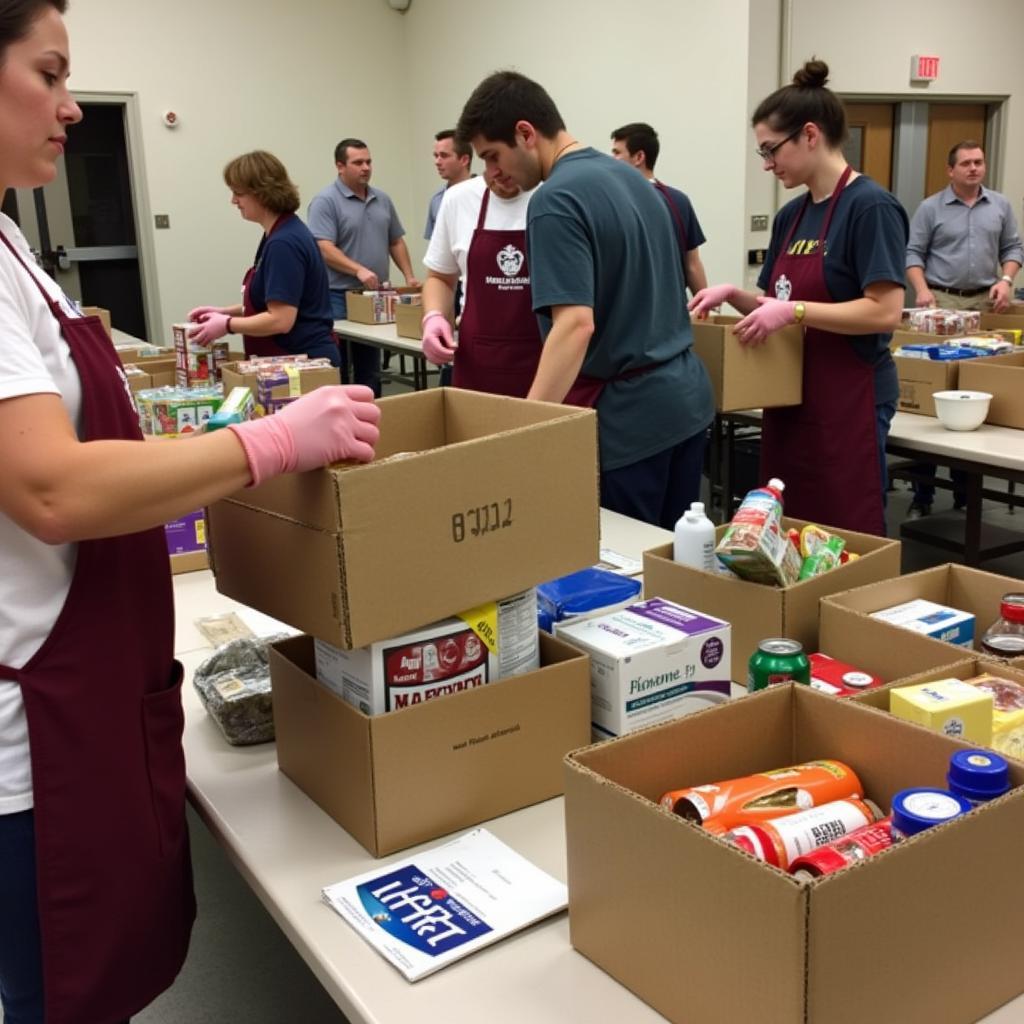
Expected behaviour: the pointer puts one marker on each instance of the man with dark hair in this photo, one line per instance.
(358, 232)
(452, 160)
(637, 144)
(964, 250)
(609, 297)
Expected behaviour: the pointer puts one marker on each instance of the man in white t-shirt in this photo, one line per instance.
(480, 237)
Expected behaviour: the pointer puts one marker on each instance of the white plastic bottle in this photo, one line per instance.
(695, 539)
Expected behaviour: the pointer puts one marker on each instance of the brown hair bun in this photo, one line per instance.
(813, 75)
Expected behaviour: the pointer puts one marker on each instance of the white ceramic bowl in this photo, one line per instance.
(961, 410)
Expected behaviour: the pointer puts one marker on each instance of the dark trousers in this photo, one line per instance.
(660, 488)
(365, 358)
(924, 492)
(21, 962)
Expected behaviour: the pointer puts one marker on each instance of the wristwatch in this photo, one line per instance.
(799, 312)
(1007, 279)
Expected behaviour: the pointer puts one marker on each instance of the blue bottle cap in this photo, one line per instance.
(914, 810)
(978, 775)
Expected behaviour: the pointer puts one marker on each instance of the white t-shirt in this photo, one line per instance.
(456, 222)
(34, 577)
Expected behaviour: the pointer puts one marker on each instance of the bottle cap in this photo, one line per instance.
(914, 810)
(978, 775)
(776, 484)
(698, 507)
(1011, 607)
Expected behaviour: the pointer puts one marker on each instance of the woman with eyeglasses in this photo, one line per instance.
(96, 899)
(835, 264)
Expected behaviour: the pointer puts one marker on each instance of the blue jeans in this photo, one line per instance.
(365, 358)
(660, 488)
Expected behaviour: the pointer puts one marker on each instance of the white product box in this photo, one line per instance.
(935, 620)
(476, 647)
(652, 662)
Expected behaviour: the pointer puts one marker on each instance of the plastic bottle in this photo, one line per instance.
(695, 539)
(978, 775)
(1005, 637)
(914, 810)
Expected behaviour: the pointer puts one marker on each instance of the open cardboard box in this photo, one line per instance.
(921, 378)
(1003, 378)
(152, 373)
(750, 376)
(705, 933)
(307, 380)
(103, 314)
(360, 308)
(471, 497)
(955, 586)
(757, 611)
(424, 771)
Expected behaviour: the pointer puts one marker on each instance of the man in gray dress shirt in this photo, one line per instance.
(964, 250)
(359, 233)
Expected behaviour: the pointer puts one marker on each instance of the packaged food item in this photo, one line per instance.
(583, 595)
(754, 546)
(949, 706)
(914, 810)
(651, 662)
(1004, 639)
(839, 679)
(777, 661)
(860, 844)
(197, 365)
(989, 344)
(931, 619)
(234, 687)
(1007, 712)
(823, 559)
(753, 799)
(694, 543)
(476, 647)
(780, 841)
(943, 321)
(978, 776)
(168, 412)
(237, 407)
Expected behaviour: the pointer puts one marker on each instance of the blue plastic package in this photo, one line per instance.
(583, 592)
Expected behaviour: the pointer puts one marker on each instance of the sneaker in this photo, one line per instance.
(918, 511)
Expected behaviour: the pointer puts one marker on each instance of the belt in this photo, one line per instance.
(963, 293)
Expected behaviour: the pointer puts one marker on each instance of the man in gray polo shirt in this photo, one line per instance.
(964, 249)
(358, 232)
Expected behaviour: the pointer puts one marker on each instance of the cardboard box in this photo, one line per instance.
(186, 543)
(156, 373)
(1003, 378)
(366, 309)
(955, 586)
(758, 611)
(471, 496)
(750, 376)
(1010, 320)
(307, 380)
(921, 378)
(703, 932)
(103, 314)
(411, 775)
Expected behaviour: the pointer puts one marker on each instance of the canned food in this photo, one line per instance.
(777, 661)
(858, 845)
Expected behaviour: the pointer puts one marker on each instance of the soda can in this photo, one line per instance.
(777, 661)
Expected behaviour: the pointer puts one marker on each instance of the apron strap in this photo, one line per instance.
(483, 209)
(53, 304)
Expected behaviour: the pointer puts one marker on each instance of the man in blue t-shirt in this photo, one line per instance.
(638, 144)
(609, 297)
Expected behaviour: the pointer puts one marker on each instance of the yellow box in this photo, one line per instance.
(1007, 712)
(948, 706)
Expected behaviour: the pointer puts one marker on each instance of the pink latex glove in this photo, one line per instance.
(211, 327)
(709, 299)
(199, 312)
(327, 425)
(438, 342)
(770, 315)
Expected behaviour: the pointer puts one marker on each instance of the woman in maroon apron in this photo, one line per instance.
(96, 902)
(499, 338)
(286, 306)
(835, 265)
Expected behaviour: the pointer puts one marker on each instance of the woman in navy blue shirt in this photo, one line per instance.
(286, 307)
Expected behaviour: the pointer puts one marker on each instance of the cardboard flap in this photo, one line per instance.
(931, 584)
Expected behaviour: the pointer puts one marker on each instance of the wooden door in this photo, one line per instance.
(869, 147)
(948, 124)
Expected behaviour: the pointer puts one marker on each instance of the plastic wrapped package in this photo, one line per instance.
(234, 686)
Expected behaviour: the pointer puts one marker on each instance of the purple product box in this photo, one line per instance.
(186, 535)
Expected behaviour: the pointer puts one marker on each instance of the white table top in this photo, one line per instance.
(993, 446)
(288, 849)
(378, 334)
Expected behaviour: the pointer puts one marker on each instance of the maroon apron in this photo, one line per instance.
(499, 339)
(825, 450)
(265, 346)
(677, 216)
(102, 698)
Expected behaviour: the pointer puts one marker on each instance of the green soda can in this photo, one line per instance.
(777, 661)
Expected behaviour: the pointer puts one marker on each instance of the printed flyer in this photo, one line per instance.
(440, 905)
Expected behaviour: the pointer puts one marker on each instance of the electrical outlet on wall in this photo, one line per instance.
(162, 220)
(759, 222)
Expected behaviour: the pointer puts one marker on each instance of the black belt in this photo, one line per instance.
(963, 293)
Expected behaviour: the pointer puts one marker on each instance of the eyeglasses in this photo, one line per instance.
(767, 153)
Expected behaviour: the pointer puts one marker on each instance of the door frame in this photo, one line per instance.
(141, 209)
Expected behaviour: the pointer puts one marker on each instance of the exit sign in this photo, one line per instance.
(924, 69)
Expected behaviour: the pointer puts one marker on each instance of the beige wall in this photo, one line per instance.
(294, 78)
